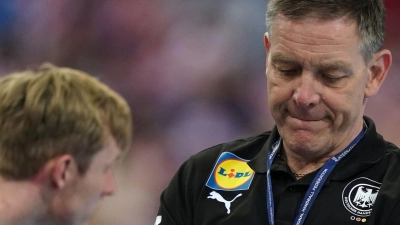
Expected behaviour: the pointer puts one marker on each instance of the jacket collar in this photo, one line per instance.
(367, 152)
(259, 163)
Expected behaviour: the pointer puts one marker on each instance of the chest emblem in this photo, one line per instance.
(215, 195)
(230, 173)
(359, 196)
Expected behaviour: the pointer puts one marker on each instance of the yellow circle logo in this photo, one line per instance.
(232, 173)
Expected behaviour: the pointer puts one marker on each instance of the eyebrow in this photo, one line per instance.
(280, 58)
(338, 65)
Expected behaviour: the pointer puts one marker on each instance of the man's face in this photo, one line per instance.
(96, 183)
(316, 84)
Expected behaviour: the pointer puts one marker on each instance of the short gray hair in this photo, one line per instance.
(369, 15)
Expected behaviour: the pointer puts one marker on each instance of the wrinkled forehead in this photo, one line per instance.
(345, 18)
(317, 40)
(323, 31)
(310, 23)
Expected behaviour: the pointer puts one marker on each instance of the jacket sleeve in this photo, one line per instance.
(394, 217)
(176, 201)
(179, 201)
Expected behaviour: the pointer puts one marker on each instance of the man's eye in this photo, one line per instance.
(331, 79)
(288, 72)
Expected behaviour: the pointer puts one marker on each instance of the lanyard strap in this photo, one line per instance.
(315, 186)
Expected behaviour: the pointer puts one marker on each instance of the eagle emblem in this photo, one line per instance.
(364, 197)
(359, 196)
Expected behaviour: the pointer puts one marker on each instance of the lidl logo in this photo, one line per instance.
(230, 173)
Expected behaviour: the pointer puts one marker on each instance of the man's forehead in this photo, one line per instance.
(318, 14)
(110, 151)
(314, 36)
(282, 21)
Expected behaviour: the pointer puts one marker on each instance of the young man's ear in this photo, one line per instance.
(63, 170)
(378, 68)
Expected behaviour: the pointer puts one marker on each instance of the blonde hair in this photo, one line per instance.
(55, 111)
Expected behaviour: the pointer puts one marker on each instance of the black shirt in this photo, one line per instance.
(226, 185)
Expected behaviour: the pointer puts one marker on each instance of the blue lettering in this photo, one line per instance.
(239, 175)
(222, 171)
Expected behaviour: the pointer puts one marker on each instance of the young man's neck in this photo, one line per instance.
(20, 202)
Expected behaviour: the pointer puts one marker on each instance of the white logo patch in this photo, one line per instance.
(158, 220)
(359, 196)
(215, 195)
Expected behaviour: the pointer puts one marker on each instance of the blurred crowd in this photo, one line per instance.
(192, 72)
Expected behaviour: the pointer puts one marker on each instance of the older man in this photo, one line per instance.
(324, 162)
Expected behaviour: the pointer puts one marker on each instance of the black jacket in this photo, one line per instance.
(364, 188)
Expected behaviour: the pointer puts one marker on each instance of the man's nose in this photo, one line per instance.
(307, 92)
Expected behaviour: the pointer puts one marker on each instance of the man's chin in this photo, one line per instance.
(303, 143)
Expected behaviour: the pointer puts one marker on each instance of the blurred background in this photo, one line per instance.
(192, 72)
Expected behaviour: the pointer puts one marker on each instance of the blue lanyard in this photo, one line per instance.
(315, 186)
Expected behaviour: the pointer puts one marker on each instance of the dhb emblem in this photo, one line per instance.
(359, 196)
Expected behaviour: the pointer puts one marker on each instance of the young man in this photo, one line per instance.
(60, 132)
(324, 162)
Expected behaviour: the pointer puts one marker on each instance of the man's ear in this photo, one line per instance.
(267, 42)
(267, 46)
(378, 68)
(64, 169)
